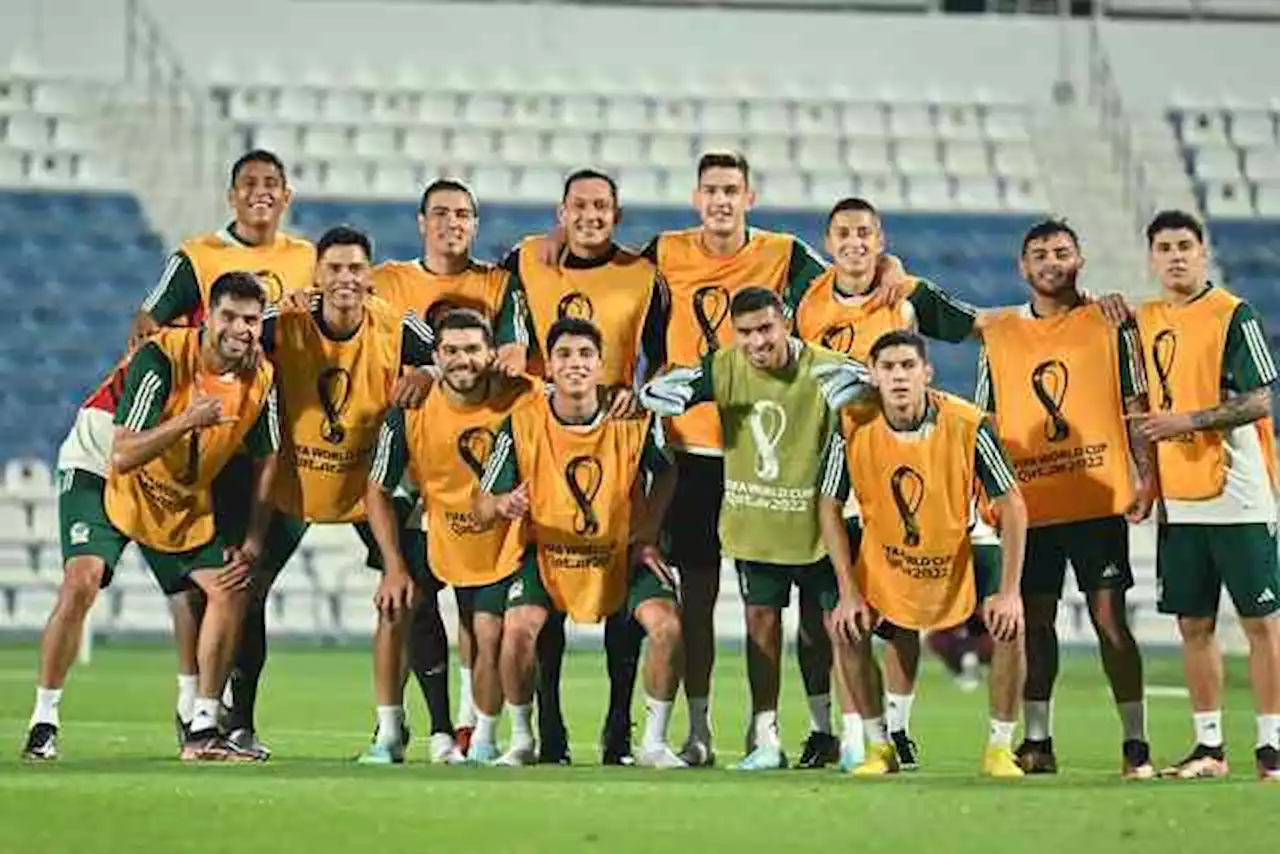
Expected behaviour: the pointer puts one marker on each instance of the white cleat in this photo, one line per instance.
(660, 756)
(442, 747)
(697, 753)
(518, 756)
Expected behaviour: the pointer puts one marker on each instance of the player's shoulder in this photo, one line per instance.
(382, 311)
(820, 288)
(393, 269)
(295, 243)
(955, 408)
(778, 240)
(676, 239)
(203, 242)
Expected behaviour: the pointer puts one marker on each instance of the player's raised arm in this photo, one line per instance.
(513, 329)
(176, 295)
(679, 389)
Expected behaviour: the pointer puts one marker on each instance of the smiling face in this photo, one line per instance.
(855, 242)
(235, 324)
(343, 274)
(762, 336)
(464, 357)
(448, 226)
(1052, 264)
(722, 200)
(589, 214)
(259, 196)
(574, 365)
(1179, 258)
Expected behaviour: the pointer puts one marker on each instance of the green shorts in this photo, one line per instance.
(1194, 562)
(232, 498)
(86, 531)
(1098, 550)
(768, 585)
(525, 587)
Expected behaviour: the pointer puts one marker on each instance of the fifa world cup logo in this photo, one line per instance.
(583, 475)
(710, 308)
(576, 305)
(767, 421)
(839, 338)
(1163, 350)
(907, 487)
(333, 387)
(1049, 382)
(475, 444)
(272, 284)
(191, 471)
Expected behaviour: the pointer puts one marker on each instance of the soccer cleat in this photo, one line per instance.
(209, 746)
(246, 741)
(820, 750)
(908, 753)
(882, 759)
(555, 753)
(42, 743)
(1036, 757)
(441, 746)
(181, 729)
(660, 756)
(1201, 763)
(1136, 764)
(481, 753)
(382, 754)
(1267, 759)
(462, 738)
(697, 753)
(766, 757)
(999, 762)
(517, 757)
(852, 755)
(615, 746)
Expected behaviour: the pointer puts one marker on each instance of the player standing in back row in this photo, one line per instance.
(1211, 372)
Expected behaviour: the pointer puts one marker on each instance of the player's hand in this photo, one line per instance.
(143, 327)
(204, 411)
(622, 403)
(551, 245)
(1002, 614)
(233, 577)
(1158, 426)
(512, 360)
(395, 593)
(411, 389)
(1114, 307)
(297, 301)
(648, 556)
(841, 383)
(1144, 499)
(515, 504)
(669, 394)
(854, 617)
(892, 284)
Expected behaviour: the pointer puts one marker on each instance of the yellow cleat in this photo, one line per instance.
(881, 759)
(1000, 763)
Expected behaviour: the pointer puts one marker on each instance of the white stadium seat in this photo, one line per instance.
(1217, 163)
(862, 119)
(627, 113)
(1006, 124)
(14, 167)
(827, 188)
(436, 108)
(883, 190)
(812, 119)
(1253, 128)
(769, 152)
(782, 189)
(74, 134)
(471, 146)
(533, 111)
(1229, 199)
(396, 179)
(1203, 128)
(911, 120)
(1262, 164)
(349, 178)
(539, 183)
(868, 156)
(819, 153)
(493, 182)
(375, 141)
(24, 130)
(680, 114)
(571, 149)
(621, 149)
(720, 116)
(580, 112)
(641, 185)
(959, 122)
(427, 144)
(1025, 195)
(295, 104)
(917, 156)
(484, 110)
(670, 149)
(283, 139)
(520, 146)
(978, 194)
(1268, 201)
(966, 158)
(324, 140)
(1015, 160)
(766, 117)
(929, 192)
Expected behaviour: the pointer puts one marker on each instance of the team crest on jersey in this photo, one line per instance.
(272, 284)
(583, 475)
(1049, 383)
(907, 486)
(576, 305)
(78, 534)
(1163, 350)
(333, 387)
(839, 338)
(710, 308)
(475, 444)
(767, 422)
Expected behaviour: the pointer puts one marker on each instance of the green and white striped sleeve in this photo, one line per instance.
(833, 474)
(991, 462)
(147, 384)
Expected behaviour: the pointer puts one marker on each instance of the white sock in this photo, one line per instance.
(390, 719)
(46, 708)
(204, 714)
(1133, 719)
(521, 731)
(466, 701)
(766, 728)
(657, 718)
(898, 711)
(876, 730)
(820, 713)
(1038, 716)
(700, 719)
(1269, 731)
(486, 728)
(853, 733)
(1208, 728)
(1001, 733)
(186, 696)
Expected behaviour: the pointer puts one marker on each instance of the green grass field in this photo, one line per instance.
(119, 786)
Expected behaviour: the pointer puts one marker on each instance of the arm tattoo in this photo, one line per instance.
(1235, 412)
(1139, 447)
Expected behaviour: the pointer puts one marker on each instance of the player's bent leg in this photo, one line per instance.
(487, 632)
(1008, 670)
(553, 735)
(82, 578)
(660, 620)
(521, 626)
(1035, 754)
(186, 632)
(766, 591)
(428, 654)
(901, 668)
(814, 655)
(623, 637)
(1122, 662)
(465, 718)
(389, 650)
(863, 678)
(219, 634)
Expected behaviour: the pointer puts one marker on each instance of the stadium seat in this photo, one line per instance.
(539, 184)
(911, 121)
(917, 157)
(978, 194)
(673, 150)
(520, 146)
(1252, 128)
(485, 110)
(428, 144)
(571, 150)
(1268, 200)
(1015, 161)
(769, 152)
(966, 158)
(1227, 199)
(783, 189)
(816, 119)
(580, 112)
(1006, 124)
(620, 149)
(768, 117)
(861, 119)
(1262, 163)
(959, 122)
(1217, 163)
(868, 156)
(721, 116)
(627, 113)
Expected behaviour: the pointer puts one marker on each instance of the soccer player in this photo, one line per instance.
(1205, 351)
(844, 310)
(444, 445)
(775, 422)
(339, 369)
(186, 401)
(1059, 378)
(258, 196)
(916, 469)
(622, 294)
(577, 477)
(446, 276)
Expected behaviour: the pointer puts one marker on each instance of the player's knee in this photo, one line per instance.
(1261, 630)
(1041, 612)
(486, 630)
(1197, 631)
(522, 626)
(82, 581)
(662, 627)
(762, 621)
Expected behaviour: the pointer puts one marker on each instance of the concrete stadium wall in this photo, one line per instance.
(886, 53)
